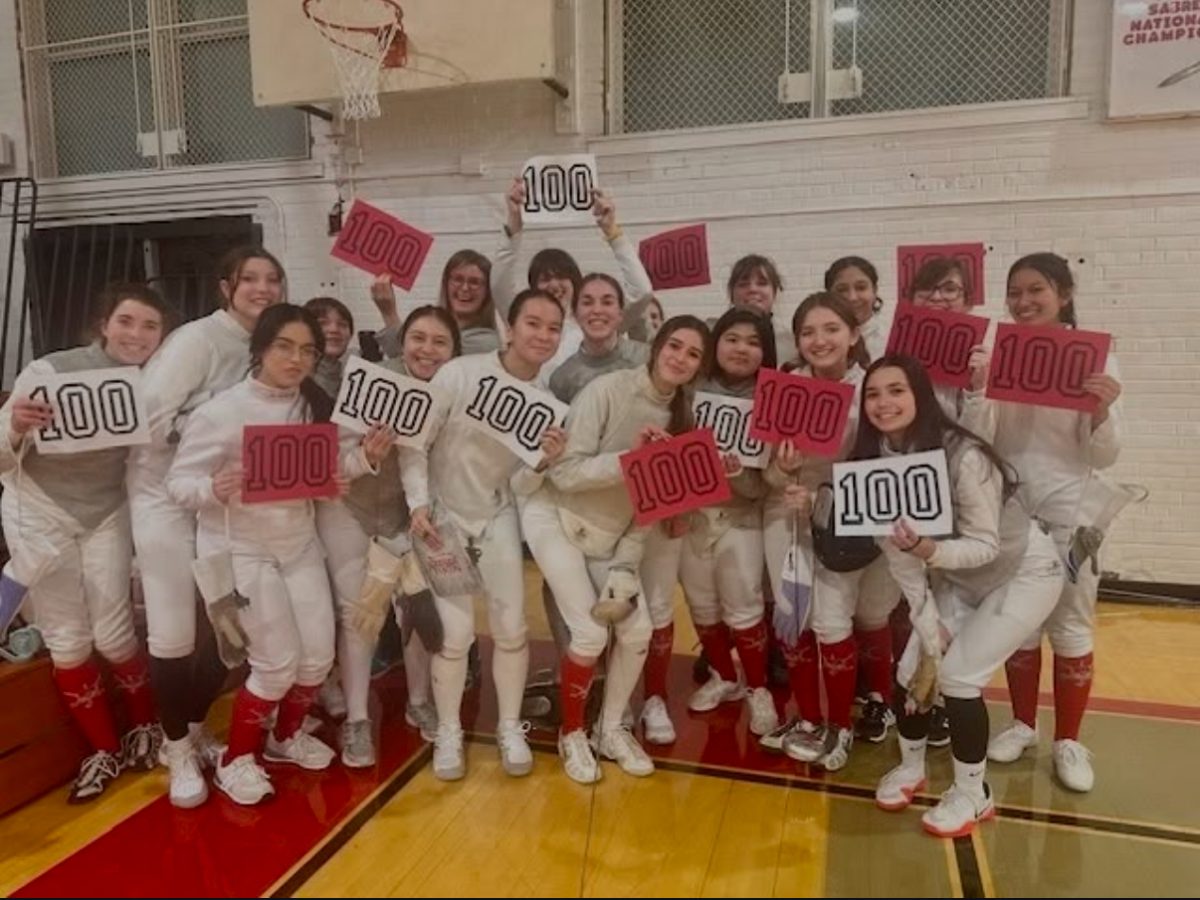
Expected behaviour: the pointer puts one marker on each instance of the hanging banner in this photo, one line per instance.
(677, 258)
(1154, 59)
(558, 189)
(729, 419)
(668, 478)
(289, 462)
(1046, 366)
(910, 258)
(93, 410)
(515, 414)
(376, 242)
(812, 413)
(372, 394)
(871, 495)
(939, 339)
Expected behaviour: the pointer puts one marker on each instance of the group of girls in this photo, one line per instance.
(1018, 474)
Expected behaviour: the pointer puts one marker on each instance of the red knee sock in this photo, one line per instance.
(132, 679)
(1072, 686)
(875, 654)
(293, 708)
(752, 650)
(658, 661)
(804, 675)
(715, 641)
(1024, 670)
(82, 687)
(247, 724)
(839, 663)
(576, 682)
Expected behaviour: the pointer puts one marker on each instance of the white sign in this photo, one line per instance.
(558, 189)
(729, 419)
(93, 410)
(373, 394)
(1154, 63)
(870, 495)
(514, 413)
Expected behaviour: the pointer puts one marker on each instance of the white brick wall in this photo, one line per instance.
(1121, 201)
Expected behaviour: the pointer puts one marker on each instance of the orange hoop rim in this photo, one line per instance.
(357, 29)
(396, 54)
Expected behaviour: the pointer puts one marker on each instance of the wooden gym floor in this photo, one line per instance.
(717, 818)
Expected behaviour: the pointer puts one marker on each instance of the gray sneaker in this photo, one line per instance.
(423, 717)
(358, 744)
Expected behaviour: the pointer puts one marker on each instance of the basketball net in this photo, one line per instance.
(363, 36)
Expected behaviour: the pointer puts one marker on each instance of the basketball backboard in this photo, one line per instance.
(449, 42)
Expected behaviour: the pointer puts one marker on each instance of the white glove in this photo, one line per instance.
(619, 597)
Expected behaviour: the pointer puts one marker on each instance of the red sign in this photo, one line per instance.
(810, 412)
(941, 340)
(677, 258)
(910, 258)
(1046, 366)
(666, 478)
(376, 242)
(289, 462)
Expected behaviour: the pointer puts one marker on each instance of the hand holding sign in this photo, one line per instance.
(666, 478)
(729, 418)
(810, 412)
(1047, 366)
(559, 189)
(515, 414)
(871, 495)
(372, 394)
(379, 243)
(677, 258)
(910, 258)
(289, 462)
(940, 340)
(93, 410)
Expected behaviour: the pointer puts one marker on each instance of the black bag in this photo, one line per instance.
(838, 554)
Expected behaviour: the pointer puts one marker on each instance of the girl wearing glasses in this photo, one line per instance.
(465, 293)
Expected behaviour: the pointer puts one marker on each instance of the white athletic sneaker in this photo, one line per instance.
(95, 774)
(515, 755)
(656, 722)
(838, 742)
(208, 749)
(141, 747)
(244, 781)
(423, 717)
(1009, 744)
(773, 740)
(957, 812)
(714, 692)
(1073, 766)
(896, 789)
(579, 761)
(619, 744)
(301, 750)
(806, 743)
(358, 744)
(188, 787)
(764, 718)
(448, 761)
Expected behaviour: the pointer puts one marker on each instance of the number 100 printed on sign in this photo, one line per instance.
(558, 189)
(371, 394)
(94, 410)
(729, 419)
(514, 413)
(667, 478)
(871, 495)
(289, 462)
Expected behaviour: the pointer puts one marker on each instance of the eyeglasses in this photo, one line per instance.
(950, 290)
(284, 347)
(460, 281)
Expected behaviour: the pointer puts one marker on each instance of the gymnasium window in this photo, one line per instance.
(677, 64)
(127, 85)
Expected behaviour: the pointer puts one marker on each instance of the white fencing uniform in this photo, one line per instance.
(277, 559)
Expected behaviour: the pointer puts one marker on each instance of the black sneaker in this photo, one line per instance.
(939, 727)
(140, 746)
(875, 720)
(94, 775)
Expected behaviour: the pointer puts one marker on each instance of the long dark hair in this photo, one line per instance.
(486, 316)
(555, 263)
(681, 402)
(749, 265)
(840, 308)
(267, 328)
(931, 429)
(863, 265)
(932, 273)
(742, 315)
(229, 269)
(1055, 270)
(433, 312)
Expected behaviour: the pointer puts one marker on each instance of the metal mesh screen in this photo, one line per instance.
(693, 63)
(125, 85)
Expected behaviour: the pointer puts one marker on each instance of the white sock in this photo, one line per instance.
(625, 666)
(354, 656)
(449, 677)
(416, 671)
(509, 670)
(968, 777)
(912, 754)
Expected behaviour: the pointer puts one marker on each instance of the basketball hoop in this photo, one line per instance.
(364, 37)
